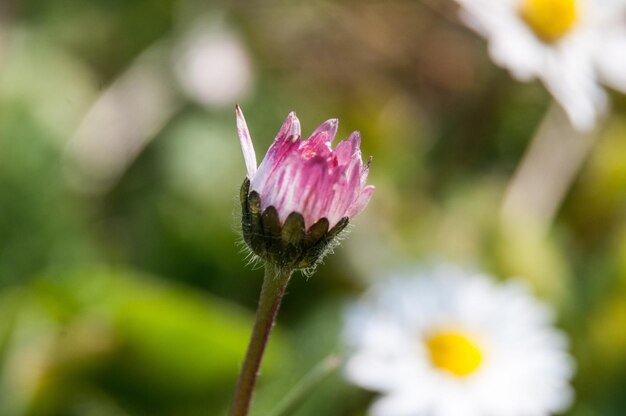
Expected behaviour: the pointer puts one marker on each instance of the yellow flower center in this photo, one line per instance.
(454, 353)
(550, 19)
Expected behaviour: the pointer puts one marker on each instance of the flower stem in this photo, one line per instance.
(274, 285)
(547, 171)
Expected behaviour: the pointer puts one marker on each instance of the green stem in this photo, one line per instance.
(274, 285)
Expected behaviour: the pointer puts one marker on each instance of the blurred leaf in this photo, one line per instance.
(607, 337)
(522, 250)
(305, 387)
(600, 196)
(57, 100)
(150, 344)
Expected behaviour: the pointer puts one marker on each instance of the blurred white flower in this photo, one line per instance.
(570, 45)
(446, 342)
(213, 66)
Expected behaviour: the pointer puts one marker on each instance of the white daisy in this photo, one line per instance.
(445, 342)
(570, 45)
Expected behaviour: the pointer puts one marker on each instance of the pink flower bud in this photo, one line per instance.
(302, 181)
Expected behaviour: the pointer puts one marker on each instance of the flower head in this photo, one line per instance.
(303, 193)
(445, 342)
(570, 45)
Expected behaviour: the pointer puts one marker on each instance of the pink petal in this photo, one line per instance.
(246, 143)
(289, 133)
(332, 207)
(285, 143)
(316, 145)
(313, 188)
(308, 177)
(343, 151)
(353, 186)
(319, 143)
(361, 202)
(347, 149)
(345, 188)
(329, 127)
(290, 128)
(355, 140)
(278, 188)
(365, 170)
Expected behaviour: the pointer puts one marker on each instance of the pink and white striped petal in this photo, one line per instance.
(308, 176)
(246, 143)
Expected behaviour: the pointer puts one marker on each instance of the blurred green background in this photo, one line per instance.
(123, 286)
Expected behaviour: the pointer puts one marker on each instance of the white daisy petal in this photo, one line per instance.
(570, 52)
(570, 78)
(611, 59)
(447, 342)
(399, 404)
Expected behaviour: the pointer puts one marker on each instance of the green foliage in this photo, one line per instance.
(133, 298)
(139, 342)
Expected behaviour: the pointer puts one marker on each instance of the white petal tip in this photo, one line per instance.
(238, 112)
(246, 143)
(294, 128)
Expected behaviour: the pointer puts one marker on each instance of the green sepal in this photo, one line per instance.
(317, 231)
(245, 211)
(272, 241)
(338, 228)
(293, 229)
(289, 245)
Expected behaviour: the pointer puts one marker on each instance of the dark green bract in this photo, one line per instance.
(289, 245)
